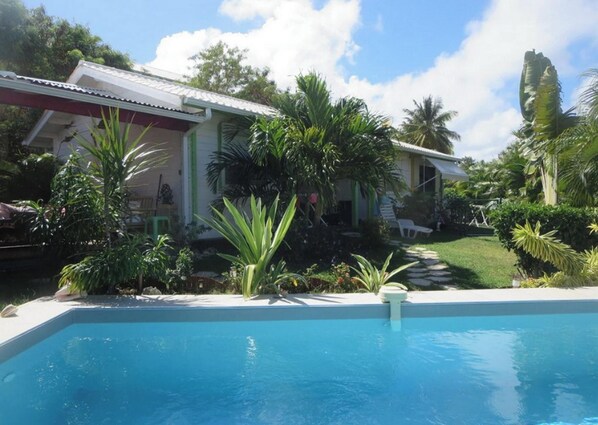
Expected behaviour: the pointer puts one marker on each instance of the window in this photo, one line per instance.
(427, 179)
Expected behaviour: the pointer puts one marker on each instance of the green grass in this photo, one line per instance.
(476, 262)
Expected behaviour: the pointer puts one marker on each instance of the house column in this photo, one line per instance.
(355, 204)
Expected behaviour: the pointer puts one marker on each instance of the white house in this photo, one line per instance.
(186, 122)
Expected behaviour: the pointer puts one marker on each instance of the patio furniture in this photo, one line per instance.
(140, 210)
(155, 222)
(407, 228)
(410, 230)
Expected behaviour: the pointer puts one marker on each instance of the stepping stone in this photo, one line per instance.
(417, 270)
(430, 252)
(439, 273)
(429, 257)
(420, 282)
(411, 258)
(436, 267)
(418, 248)
(394, 243)
(449, 287)
(440, 279)
(430, 262)
(411, 251)
(417, 275)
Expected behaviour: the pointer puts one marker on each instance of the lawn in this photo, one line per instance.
(475, 261)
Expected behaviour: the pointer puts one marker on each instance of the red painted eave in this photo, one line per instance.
(53, 103)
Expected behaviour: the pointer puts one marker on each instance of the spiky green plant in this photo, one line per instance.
(373, 278)
(254, 238)
(576, 269)
(116, 158)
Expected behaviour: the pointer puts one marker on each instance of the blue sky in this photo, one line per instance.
(388, 52)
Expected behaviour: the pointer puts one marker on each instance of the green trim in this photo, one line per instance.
(355, 204)
(193, 172)
(371, 202)
(220, 183)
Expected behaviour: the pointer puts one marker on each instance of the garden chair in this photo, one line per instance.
(410, 230)
(407, 228)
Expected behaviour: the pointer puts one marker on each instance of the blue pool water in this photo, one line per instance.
(467, 370)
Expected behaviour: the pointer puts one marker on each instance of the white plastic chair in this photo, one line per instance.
(410, 230)
(407, 228)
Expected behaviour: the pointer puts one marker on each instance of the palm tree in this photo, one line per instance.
(543, 119)
(579, 149)
(312, 145)
(425, 126)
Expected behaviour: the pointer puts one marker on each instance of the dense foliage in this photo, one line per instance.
(37, 45)
(221, 69)
(313, 145)
(571, 226)
(575, 268)
(28, 178)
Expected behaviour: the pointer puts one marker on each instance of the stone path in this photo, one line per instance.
(430, 269)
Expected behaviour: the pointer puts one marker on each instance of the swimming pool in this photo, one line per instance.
(515, 369)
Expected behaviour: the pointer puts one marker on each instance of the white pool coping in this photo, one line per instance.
(35, 313)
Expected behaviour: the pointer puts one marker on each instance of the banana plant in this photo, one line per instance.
(543, 118)
(373, 278)
(254, 238)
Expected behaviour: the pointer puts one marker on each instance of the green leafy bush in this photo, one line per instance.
(571, 226)
(71, 222)
(456, 207)
(375, 232)
(126, 262)
(419, 207)
(322, 244)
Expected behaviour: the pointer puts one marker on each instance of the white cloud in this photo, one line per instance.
(295, 36)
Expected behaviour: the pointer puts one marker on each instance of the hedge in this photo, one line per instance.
(570, 223)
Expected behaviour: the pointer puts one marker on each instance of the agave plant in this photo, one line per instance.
(255, 239)
(373, 278)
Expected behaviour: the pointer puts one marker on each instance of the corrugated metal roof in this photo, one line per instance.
(88, 91)
(210, 99)
(407, 147)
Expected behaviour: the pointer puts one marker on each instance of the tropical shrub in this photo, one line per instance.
(373, 278)
(72, 220)
(575, 268)
(570, 225)
(116, 158)
(324, 245)
(456, 207)
(29, 178)
(255, 240)
(374, 231)
(419, 207)
(126, 262)
(183, 267)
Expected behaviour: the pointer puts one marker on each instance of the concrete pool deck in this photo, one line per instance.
(34, 314)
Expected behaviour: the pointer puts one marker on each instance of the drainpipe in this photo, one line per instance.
(190, 164)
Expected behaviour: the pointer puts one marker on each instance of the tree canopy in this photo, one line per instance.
(425, 126)
(37, 45)
(220, 69)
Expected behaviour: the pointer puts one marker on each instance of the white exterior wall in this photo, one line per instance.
(144, 185)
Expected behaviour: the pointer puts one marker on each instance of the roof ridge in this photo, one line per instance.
(168, 81)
